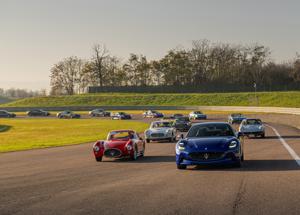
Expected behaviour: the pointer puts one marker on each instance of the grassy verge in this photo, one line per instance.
(278, 99)
(27, 134)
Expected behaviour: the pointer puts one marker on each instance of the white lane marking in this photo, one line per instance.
(288, 148)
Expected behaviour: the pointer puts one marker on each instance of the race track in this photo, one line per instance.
(67, 180)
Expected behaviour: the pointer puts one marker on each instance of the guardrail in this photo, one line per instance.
(295, 111)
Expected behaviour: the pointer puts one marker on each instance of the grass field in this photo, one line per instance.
(24, 134)
(275, 99)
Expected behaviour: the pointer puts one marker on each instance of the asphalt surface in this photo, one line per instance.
(67, 180)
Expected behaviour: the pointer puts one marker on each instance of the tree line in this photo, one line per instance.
(15, 93)
(204, 63)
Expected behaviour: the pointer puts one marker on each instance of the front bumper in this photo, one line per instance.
(117, 153)
(253, 132)
(228, 157)
(160, 137)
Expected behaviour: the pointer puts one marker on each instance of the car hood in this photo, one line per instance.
(115, 144)
(158, 130)
(251, 127)
(208, 144)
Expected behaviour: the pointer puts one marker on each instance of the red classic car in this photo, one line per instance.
(121, 143)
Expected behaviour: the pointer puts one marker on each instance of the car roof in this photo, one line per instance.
(253, 119)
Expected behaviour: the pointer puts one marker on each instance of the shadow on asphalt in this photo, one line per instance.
(146, 159)
(254, 166)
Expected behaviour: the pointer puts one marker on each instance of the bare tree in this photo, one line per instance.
(66, 76)
(100, 55)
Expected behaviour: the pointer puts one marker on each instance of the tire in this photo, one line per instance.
(263, 135)
(135, 155)
(98, 159)
(147, 141)
(242, 158)
(170, 140)
(238, 164)
(181, 166)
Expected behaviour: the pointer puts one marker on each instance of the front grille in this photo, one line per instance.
(113, 153)
(202, 156)
(157, 135)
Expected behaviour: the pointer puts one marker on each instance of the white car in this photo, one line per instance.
(161, 130)
(152, 114)
(197, 115)
(252, 127)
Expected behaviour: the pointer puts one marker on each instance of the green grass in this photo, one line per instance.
(278, 99)
(25, 134)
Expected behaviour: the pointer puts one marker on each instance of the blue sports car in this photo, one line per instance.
(210, 143)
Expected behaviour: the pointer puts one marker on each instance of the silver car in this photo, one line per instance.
(161, 130)
(252, 127)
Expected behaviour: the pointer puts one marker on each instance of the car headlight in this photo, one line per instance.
(129, 147)
(169, 131)
(233, 144)
(261, 127)
(96, 148)
(148, 132)
(181, 146)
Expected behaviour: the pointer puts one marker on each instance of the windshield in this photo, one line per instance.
(210, 130)
(120, 135)
(162, 125)
(237, 115)
(183, 119)
(253, 122)
(198, 112)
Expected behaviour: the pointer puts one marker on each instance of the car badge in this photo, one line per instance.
(206, 156)
(112, 153)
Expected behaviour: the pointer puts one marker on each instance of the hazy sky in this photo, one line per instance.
(35, 34)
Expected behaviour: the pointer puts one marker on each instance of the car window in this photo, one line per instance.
(162, 125)
(182, 119)
(236, 115)
(253, 122)
(121, 135)
(211, 130)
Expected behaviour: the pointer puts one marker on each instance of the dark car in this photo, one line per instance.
(67, 115)
(176, 116)
(121, 115)
(182, 123)
(236, 118)
(99, 113)
(210, 143)
(38, 112)
(6, 114)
